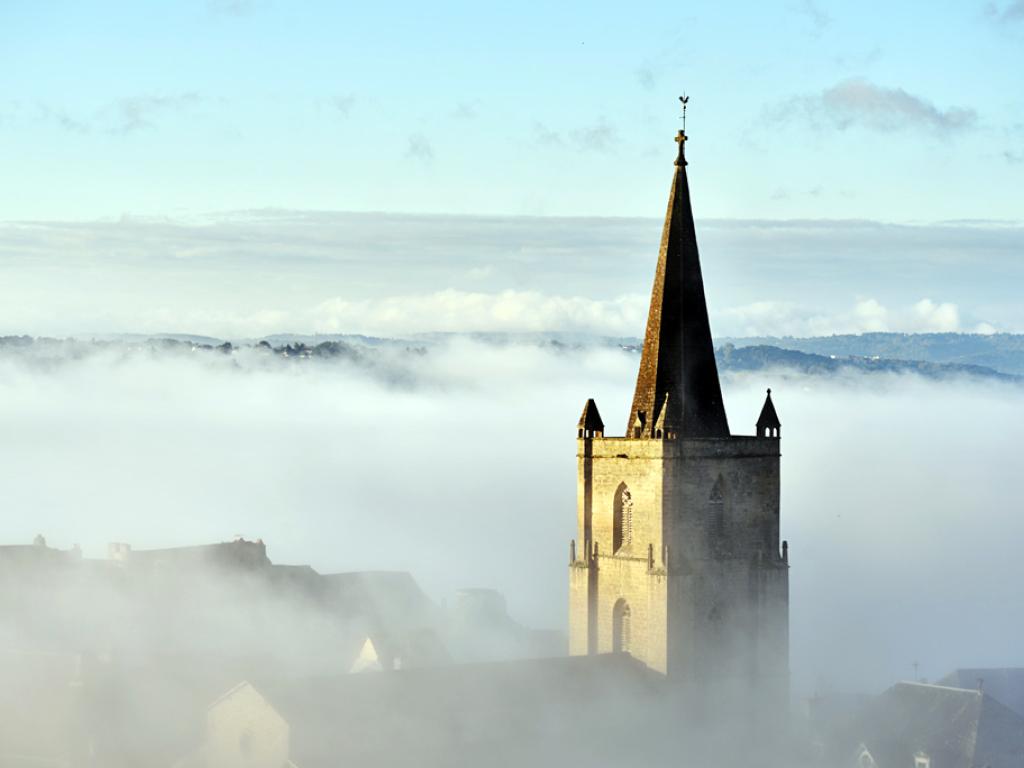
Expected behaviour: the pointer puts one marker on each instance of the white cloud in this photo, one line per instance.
(871, 316)
(938, 318)
(867, 315)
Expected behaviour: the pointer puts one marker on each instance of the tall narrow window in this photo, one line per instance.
(622, 524)
(717, 498)
(621, 629)
(716, 514)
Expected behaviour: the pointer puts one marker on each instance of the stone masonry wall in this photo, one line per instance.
(719, 611)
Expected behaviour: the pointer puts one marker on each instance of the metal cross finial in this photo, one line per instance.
(685, 100)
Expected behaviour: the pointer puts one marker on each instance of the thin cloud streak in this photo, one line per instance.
(857, 102)
(124, 116)
(344, 104)
(231, 7)
(419, 148)
(818, 18)
(136, 113)
(1009, 13)
(599, 137)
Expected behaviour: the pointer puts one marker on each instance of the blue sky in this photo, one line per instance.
(905, 111)
(133, 136)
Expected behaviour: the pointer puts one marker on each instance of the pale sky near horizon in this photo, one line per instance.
(131, 134)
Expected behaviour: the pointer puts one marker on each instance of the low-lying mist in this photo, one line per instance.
(458, 465)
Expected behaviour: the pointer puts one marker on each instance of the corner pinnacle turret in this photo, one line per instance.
(677, 389)
(768, 424)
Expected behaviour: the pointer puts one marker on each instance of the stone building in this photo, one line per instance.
(678, 558)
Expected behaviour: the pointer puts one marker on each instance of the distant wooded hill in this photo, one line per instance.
(1002, 352)
(754, 358)
(937, 356)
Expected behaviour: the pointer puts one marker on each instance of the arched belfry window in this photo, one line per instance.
(621, 629)
(622, 523)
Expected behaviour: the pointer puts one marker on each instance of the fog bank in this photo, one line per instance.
(459, 465)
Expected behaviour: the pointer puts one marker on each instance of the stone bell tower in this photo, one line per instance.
(678, 558)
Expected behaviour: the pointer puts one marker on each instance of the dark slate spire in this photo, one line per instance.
(678, 374)
(768, 424)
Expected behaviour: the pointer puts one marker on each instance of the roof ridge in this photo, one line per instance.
(940, 687)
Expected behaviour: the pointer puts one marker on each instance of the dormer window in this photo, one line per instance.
(865, 760)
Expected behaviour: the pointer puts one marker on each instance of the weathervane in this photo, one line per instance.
(681, 136)
(685, 100)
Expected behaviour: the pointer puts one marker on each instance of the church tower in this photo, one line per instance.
(678, 559)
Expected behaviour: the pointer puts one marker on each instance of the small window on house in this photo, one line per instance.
(245, 743)
(622, 522)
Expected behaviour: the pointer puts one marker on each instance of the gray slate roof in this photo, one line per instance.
(954, 727)
(1006, 684)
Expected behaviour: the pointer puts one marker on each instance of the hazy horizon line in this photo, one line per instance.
(270, 211)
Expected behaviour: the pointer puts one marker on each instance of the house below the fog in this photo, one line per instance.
(114, 662)
(917, 725)
(596, 710)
